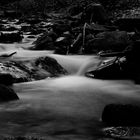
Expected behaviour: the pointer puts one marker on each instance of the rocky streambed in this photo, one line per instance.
(69, 76)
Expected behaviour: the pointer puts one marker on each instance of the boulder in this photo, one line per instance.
(95, 12)
(60, 28)
(6, 79)
(50, 64)
(108, 70)
(7, 94)
(19, 72)
(29, 70)
(11, 37)
(121, 115)
(45, 42)
(110, 40)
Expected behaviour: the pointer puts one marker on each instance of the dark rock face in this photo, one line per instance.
(45, 42)
(110, 69)
(121, 115)
(95, 13)
(36, 69)
(115, 41)
(50, 65)
(10, 37)
(18, 71)
(60, 28)
(6, 79)
(7, 94)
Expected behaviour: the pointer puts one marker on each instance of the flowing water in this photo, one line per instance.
(67, 107)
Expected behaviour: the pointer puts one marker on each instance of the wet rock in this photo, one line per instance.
(109, 69)
(121, 115)
(60, 28)
(45, 42)
(63, 43)
(29, 70)
(49, 64)
(10, 37)
(6, 79)
(95, 12)
(7, 94)
(19, 72)
(119, 132)
(114, 41)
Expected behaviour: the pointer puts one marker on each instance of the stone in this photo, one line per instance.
(109, 69)
(45, 43)
(95, 12)
(110, 40)
(30, 70)
(6, 79)
(7, 94)
(121, 115)
(11, 37)
(60, 28)
(49, 64)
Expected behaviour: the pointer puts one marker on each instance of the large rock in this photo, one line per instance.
(49, 64)
(45, 42)
(10, 37)
(121, 115)
(29, 70)
(95, 12)
(6, 79)
(110, 40)
(60, 28)
(7, 94)
(109, 69)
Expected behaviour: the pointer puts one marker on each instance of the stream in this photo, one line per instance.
(67, 107)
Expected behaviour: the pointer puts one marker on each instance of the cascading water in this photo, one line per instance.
(67, 107)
